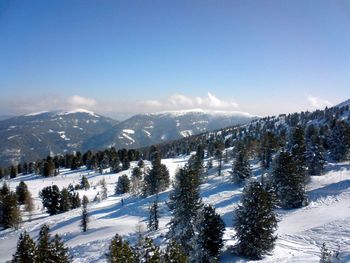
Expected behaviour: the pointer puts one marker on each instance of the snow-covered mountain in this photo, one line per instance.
(36, 135)
(146, 129)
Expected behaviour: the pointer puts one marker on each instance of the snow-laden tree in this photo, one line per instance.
(241, 167)
(288, 182)
(120, 251)
(255, 222)
(26, 251)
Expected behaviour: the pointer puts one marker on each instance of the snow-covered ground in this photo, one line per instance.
(301, 232)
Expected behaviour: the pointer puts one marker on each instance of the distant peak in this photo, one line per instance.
(35, 113)
(78, 111)
(209, 112)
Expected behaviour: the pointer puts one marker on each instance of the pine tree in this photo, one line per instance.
(241, 167)
(84, 214)
(153, 221)
(288, 182)
(26, 251)
(11, 215)
(135, 184)
(315, 159)
(123, 185)
(50, 197)
(21, 192)
(13, 171)
(174, 254)
(49, 168)
(44, 249)
(65, 200)
(209, 240)
(28, 204)
(156, 179)
(339, 141)
(120, 251)
(84, 183)
(185, 204)
(59, 251)
(147, 252)
(255, 222)
(298, 149)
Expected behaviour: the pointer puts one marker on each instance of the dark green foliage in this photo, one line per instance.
(44, 249)
(13, 171)
(120, 251)
(65, 200)
(255, 223)
(59, 251)
(185, 204)
(10, 214)
(147, 252)
(84, 214)
(153, 221)
(288, 182)
(26, 251)
(267, 146)
(211, 231)
(241, 166)
(84, 183)
(174, 254)
(48, 169)
(315, 159)
(339, 141)
(51, 197)
(22, 192)
(123, 185)
(156, 179)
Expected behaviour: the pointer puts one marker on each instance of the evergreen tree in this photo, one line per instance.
(22, 192)
(315, 159)
(65, 200)
(153, 221)
(185, 204)
(241, 167)
(49, 168)
(84, 214)
(28, 204)
(174, 254)
(44, 249)
(123, 185)
(209, 240)
(255, 222)
(298, 149)
(26, 251)
(59, 251)
(339, 141)
(51, 197)
(157, 179)
(104, 193)
(10, 213)
(120, 251)
(148, 252)
(288, 182)
(84, 183)
(13, 171)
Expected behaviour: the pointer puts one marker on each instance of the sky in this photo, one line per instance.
(262, 57)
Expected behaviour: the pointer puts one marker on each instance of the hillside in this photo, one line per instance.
(147, 129)
(301, 232)
(33, 136)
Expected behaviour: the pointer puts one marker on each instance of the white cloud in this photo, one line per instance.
(180, 101)
(316, 102)
(79, 101)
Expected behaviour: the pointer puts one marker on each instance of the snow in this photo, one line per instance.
(35, 113)
(186, 133)
(78, 111)
(128, 131)
(62, 134)
(301, 232)
(201, 111)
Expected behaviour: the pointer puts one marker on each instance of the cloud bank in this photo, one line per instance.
(181, 101)
(318, 103)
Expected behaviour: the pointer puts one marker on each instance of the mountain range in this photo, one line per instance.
(36, 135)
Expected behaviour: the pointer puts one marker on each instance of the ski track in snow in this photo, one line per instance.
(301, 232)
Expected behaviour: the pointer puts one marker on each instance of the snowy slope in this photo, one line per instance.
(301, 232)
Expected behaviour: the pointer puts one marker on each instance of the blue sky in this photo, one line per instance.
(264, 57)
